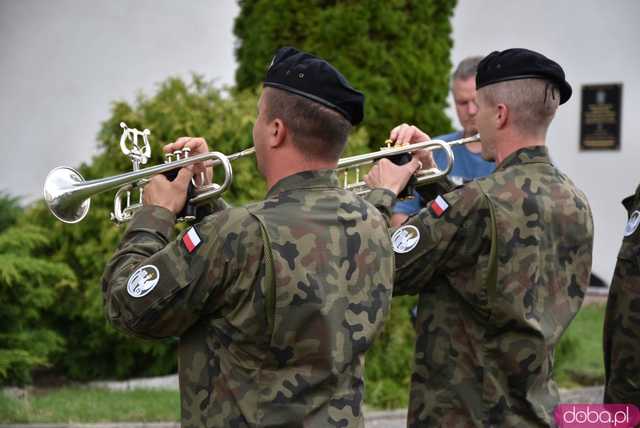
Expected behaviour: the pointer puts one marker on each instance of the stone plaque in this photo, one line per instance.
(600, 117)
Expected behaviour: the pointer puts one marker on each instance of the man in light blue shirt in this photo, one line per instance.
(468, 163)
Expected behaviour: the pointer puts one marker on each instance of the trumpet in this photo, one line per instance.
(423, 176)
(68, 195)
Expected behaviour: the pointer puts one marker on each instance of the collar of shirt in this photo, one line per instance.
(534, 154)
(316, 179)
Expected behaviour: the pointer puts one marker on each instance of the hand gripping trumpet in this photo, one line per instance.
(424, 176)
(68, 195)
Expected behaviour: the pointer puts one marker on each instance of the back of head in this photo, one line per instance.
(315, 102)
(532, 103)
(531, 85)
(317, 131)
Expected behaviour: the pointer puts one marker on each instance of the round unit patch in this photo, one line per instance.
(632, 224)
(405, 239)
(143, 280)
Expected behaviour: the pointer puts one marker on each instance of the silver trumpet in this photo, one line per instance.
(68, 195)
(351, 165)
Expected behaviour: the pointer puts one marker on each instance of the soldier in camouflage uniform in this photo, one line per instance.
(501, 264)
(622, 320)
(275, 303)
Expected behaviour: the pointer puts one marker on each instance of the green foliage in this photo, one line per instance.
(29, 285)
(9, 210)
(578, 359)
(389, 362)
(396, 52)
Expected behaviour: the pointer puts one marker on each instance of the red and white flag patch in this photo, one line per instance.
(439, 206)
(191, 239)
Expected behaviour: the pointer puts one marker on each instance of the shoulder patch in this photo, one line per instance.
(439, 205)
(632, 224)
(405, 239)
(143, 280)
(191, 239)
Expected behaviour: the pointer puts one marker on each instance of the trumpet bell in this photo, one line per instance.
(58, 187)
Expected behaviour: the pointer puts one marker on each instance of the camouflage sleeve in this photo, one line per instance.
(448, 234)
(383, 200)
(214, 206)
(622, 322)
(154, 287)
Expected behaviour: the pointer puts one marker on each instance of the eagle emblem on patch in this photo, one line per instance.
(405, 239)
(632, 224)
(143, 280)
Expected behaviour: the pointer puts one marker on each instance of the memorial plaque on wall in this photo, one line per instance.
(600, 117)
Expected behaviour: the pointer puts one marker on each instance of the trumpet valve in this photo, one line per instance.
(203, 178)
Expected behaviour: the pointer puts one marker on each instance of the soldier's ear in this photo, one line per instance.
(278, 133)
(501, 116)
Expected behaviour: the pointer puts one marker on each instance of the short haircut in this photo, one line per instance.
(467, 68)
(317, 131)
(532, 103)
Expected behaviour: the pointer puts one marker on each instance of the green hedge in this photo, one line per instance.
(395, 51)
(30, 285)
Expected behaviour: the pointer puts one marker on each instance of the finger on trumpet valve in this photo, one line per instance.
(177, 154)
(186, 151)
(168, 157)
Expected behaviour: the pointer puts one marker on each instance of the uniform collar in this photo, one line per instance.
(533, 154)
(316, 179)
(631, 201)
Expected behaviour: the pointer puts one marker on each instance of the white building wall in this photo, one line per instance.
(595, 41)
(63, 62)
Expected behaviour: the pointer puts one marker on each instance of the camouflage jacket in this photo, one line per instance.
(270, 335)
(622, 319)
(486, 337)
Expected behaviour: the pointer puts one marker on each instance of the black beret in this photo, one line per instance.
(514, 64)
(303, 74)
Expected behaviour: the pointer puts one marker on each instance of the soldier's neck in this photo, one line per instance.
(293, 163)
(512, 142)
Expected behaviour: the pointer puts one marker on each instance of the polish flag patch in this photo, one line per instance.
(439, 206)
(191, 239)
